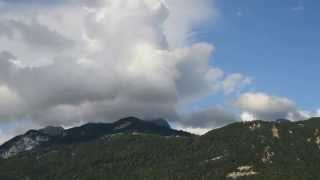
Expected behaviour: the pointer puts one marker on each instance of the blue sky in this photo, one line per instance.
(277, 43)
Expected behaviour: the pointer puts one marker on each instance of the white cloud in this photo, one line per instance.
(257, 105)
(184, 16)
(71, 62)
(246, 116)
(260, 102)
(10, 103)
(305, 114)
(298, 8)
(234, 82)
(197, 131)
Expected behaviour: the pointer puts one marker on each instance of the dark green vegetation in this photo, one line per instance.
(246, 151)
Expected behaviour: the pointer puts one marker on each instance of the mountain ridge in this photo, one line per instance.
(257, 150)
(84, 133)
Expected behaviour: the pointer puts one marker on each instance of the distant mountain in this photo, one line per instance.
(57, 135)
(132, 149)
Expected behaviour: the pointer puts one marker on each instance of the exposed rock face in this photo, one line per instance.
(242, 172)
(267, 155)
(275, 132)
(29, 141)
(254, 125)
(26, 142)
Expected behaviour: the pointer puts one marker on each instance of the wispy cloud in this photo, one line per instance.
(239, 13)
(298, 8)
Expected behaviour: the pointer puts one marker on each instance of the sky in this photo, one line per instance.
(201, 64)
(278, 38)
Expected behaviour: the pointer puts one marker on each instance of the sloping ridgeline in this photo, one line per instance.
(132, 149)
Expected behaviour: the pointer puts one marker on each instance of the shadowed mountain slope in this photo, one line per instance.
(247, 151)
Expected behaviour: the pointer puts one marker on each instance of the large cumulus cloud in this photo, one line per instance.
(70, 62)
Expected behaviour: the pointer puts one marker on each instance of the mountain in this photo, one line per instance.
(58, 136)
(132, 149)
